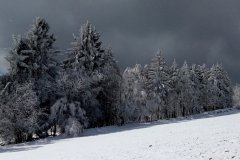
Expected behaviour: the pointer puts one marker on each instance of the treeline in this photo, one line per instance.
(41, 93)
(157, 91)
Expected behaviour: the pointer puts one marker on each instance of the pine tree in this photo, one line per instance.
(219, 88)
(32, 59)
(109, 96)
(32, 56)
(158, 84)
(173, 97)
(87, 52)
(187, 97)
(196, 86)
(88, 55)
(201, 74)
(133, 107)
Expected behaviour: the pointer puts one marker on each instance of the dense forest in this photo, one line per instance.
(42, 95)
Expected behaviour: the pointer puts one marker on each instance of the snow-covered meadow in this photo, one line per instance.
(209, 136)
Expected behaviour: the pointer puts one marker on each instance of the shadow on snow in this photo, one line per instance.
(115, 129)
(134, 126)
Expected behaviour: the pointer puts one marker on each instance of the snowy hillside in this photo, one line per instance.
(207, 136)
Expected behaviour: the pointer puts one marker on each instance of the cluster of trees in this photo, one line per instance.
(158, 91)
(41, 93)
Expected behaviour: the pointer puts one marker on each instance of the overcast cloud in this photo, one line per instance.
(197, 31)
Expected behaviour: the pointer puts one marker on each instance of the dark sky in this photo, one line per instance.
(199, 31)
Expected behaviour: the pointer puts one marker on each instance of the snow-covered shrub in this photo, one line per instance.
(77, 86)
(69, 116)
(73, 127)
(19, 113)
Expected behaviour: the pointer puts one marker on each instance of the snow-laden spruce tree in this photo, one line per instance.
(226, 87)
(175, 88)
(197, 106)
(187, 94)
(32, 59)
(32, 56)
(98, 63)
(201, 72)
(219, 88)
(109, 96)
(43, 64)
(86, 51)
(213, 91)
(158, 84)
(133, 96)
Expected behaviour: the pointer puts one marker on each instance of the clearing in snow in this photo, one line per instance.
(209, 136)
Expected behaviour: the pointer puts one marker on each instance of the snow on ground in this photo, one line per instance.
(209, 136)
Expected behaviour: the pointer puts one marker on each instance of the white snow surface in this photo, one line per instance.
(209, 136)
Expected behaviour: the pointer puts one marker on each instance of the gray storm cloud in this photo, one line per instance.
(197, 31)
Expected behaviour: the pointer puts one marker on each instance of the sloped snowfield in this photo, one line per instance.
(209, 136)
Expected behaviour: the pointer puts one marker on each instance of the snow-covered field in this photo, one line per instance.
(209, 136)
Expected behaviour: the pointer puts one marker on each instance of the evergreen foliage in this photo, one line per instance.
(41, 96)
